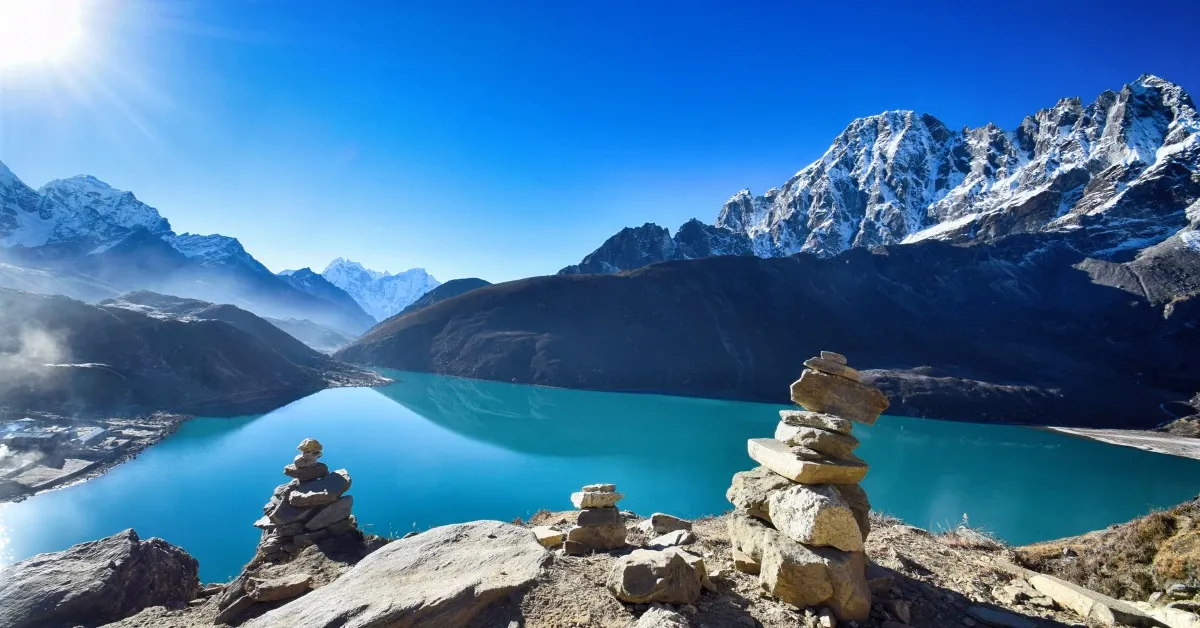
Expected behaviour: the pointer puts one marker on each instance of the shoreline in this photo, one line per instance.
(1155, 442)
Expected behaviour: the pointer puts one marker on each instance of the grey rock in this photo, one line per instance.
(96, 581)
(803, 418)
(310, 446)
(803, 465)
(306, 473)
(600, 488)
(286, 513)
(833, 357)
(303, 461)
(662, 523)
(598, 537)
(331, 514)
(275, 589)
(320, 492)
(750, 490)
(595, 499)
(346, 525)
(856, 497)
(670, 576)
(672, 539)
(239, 605)
(442, 577)
(815, 515)
(833, 368)
(821, 441)
(848, 399)
(598, 517)
(661, 617)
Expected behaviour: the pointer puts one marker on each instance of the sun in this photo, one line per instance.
(39, 32)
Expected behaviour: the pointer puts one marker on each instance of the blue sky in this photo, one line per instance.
(504, 140)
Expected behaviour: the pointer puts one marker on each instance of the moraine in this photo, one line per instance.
(431, 450)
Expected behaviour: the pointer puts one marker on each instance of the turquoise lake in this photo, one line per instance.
(431, 450)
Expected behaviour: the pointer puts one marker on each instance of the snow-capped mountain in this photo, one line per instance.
(1118, 171)
(81, 230)
(381, 294)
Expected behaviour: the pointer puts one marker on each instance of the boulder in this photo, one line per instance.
(598, 517)
(331, 514)
(833, 368)
(598, 538)
(548, 537)
(803, 465)
(856, 498)
(669, 576)
(309, 446)
(815, 515)
(662, 523)
(1095, 608)
(320, 492)
(821, 392)
(750, 490)
(96, 582)
(442, 577)
(816, 439)
(306, 473)
(595, 499)
(275, 589)
(661, 617)
(833, 357)
(804, 418)
(672, 539)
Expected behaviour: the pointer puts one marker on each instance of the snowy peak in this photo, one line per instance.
(381, 294)
(85, 196)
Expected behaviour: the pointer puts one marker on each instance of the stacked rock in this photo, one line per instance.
(801, 517)
(309, 509)
(599, 526)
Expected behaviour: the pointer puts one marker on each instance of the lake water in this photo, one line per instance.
(431, 450)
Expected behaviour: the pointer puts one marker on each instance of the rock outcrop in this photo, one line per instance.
(441, 577)
(599, 526)
(801, 517)
(104, 580)
(670, 576)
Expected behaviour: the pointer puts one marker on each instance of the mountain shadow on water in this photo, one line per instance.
(1027, 330)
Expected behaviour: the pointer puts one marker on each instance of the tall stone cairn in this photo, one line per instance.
(599, 526)
(801, 517)
(309, 509)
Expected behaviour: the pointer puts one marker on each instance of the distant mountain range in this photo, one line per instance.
(1048, 274)
(1117, 175)
(381, 294)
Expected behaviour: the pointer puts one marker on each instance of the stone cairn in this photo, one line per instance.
(309, 509)
(801, 517)
(599, 526)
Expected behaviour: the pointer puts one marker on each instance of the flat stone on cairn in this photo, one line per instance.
(311, 508)
(801, 517)
(599, 526)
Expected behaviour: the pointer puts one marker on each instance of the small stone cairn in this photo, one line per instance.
(801, 517)
(311, 508)
(599, 526)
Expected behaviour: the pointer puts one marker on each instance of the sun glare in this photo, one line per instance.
(34, 32)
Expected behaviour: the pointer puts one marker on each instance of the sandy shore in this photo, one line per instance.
(1158, 442)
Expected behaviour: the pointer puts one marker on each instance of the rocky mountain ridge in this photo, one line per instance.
(81, 237)
(381, 294)
(1120, 171)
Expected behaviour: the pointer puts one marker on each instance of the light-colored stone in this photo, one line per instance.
(302, 461)
(668, 576)
(661, 617)
(745, 563)
(805, 466)
(548, 537)
(750, 490)
(662, 523)
(275, 589)
(815, 515)
(595, 499)
(1172, 617)
(442, 577)
(830, 394)
(804, 418)
(856, 498)
(309, 446)
(833, 368)
(331, 514)
(833, 357)
(1000, 619)
(1091, 606)
(320, 492)
(672, 539)
(600, 488)
(598, 517)
(816, 439)
(599, 537)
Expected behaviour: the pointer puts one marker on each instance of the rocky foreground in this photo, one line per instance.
(801, 548)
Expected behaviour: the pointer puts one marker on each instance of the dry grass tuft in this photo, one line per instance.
(1128, 561)
(964, 536)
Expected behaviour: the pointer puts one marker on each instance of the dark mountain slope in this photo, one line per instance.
(58, 354)
(448, 290)
(1008, 332)
(309, 282)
